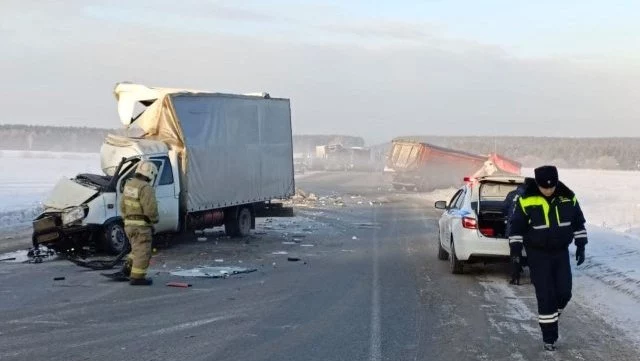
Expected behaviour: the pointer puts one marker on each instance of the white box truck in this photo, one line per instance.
(222, 159)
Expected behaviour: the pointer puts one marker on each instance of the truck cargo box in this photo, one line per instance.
(233, 149)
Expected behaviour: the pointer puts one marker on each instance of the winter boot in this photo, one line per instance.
(141, 282)
(549, 347)
(122, 275)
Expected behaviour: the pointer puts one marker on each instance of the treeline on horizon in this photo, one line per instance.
(599, 153)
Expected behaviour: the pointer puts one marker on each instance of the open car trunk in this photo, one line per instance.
(491, 208)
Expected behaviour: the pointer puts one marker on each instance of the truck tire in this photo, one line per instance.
(454, 264)
(238, 222)
(115, 239)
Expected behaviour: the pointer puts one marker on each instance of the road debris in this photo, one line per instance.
(8, 259)
(179, 284)
(293, 259)
(202, 239)
(219, 260)
(212, 272)
(306, 245)
(289, 243)
(59, 278)
(354, 238)
(280, 253)
(369, 225)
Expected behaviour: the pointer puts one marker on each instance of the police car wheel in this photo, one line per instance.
(454, 264)
(442, 253)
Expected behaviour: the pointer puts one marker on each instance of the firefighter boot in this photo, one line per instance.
(122, 275)
(141, 281)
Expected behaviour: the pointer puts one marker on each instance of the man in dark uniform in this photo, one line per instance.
(517, 259)
(546, 220)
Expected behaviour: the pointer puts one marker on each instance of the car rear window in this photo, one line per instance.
(493, 191)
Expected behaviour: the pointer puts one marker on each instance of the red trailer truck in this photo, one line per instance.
(423, 166)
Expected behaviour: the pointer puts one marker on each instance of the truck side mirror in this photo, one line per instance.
(441, 205)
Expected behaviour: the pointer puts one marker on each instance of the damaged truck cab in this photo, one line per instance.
(221, 160)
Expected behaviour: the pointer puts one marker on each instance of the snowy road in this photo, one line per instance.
(368, 286)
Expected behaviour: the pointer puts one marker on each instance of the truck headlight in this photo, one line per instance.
(73, 215)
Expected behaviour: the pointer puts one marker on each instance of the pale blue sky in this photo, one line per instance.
(378, 68)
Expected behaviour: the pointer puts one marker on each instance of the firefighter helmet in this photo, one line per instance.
(147, 169)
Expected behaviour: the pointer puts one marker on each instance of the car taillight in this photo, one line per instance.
(469, 223)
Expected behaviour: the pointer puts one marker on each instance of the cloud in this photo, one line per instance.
(382, 28)
(424, 87)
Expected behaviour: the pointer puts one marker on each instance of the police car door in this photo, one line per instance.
(168, 199)
(449, 216)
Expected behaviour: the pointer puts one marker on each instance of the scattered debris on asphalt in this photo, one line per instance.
(212, 272)
(178, 284)
(369, 225)
(59, 278)
(293, 259)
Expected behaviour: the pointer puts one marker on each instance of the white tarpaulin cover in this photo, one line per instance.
(234, 149)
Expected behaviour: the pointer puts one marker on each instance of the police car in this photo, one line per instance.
(473, 226)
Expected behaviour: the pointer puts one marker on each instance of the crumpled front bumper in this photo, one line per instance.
(48, 230)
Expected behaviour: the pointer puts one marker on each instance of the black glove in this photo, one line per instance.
(516, 269)
(580, 255)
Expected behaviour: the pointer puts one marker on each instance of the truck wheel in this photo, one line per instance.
(442, 253)
(115, 239)
(238, 224)
(454, 264)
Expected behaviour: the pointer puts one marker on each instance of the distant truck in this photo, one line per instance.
(423, 166)
(336, 157)
(221, 158)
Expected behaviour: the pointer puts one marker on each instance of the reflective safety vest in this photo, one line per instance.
(548, 224)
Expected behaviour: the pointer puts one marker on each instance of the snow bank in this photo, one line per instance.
(27, 177)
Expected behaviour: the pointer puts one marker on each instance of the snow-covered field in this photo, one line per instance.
(27, 177)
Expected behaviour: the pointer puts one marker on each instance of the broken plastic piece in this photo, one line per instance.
(212, 272)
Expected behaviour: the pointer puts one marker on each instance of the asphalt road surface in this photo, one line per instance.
(368, 286)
